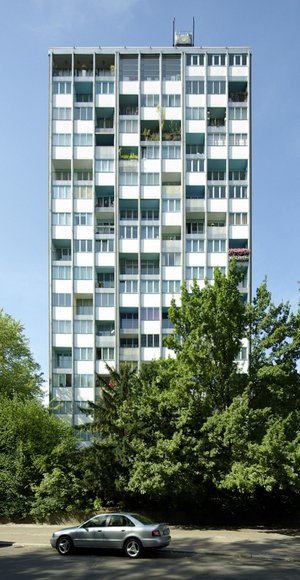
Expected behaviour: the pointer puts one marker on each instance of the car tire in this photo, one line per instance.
(133, 548)
(65, 546)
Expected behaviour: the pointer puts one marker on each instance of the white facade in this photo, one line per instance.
(149, 185)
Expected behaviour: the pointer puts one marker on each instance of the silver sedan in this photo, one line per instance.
(129, 532)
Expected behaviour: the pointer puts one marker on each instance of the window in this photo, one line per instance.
(150, 340)
(150, 100)
(128, 214)
(171, 100)
(150, 232)
(128, 126)
(104, 246)
(129, 267)
(61, 326)
(61, 113)
(129, 320)
(150, 286)
(84, 306)
(211, 271)
(195, 227)
(62, 87)
(196, 272)
(61, 380)
(83, 139)
(150, 151)
(237, 175)
(238, 139)
(242, 354)
(171, 286)
(83, 353)
(61, 299)
(150, 68)
(216, 88)
(216, 175)
(83, 326)
(84, 381)
(63, 360)
(61, 192)
(195, 165)
(105, 87)
(216, 191)
(62, 408)
(195, 87)
(238, 191)
(171, 152)
(216, 245)
(171, 259)
(83, 113)
(129, 343)
(61, 219)
(194, 113)
(216, 223)
(238, 219)
(128, 232)
(104, 300)
(128, 178)
(61, 272)
(83, 273)
(83, 175)
(150, 313)
(83, 245)
(104, 165)
(238, 60)
(83, 219)
(216, 59)
(216, 139)
(238, 113)
(171, 68)
(105, 353)
(149, 267)
(150, 178)
(62, 254)
(150, 214)
(195, 246)
(129, 287)
(128, 68)
(61, 139)
(195, 59)
(194, 149)
(171, 205)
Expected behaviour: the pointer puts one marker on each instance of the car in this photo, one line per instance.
(130, 532)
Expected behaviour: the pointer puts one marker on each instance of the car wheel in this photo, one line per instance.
(133, 548)
(65, 545)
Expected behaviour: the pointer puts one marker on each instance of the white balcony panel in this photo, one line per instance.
(171, 273)
(105, 341)
(128, 300)
(84, 126)
(239, 232)
(128, 139)
(83, 259)
(239, 152)
(82, 367)
(171, 246)
(216, 71)
(167, 298)
(83, 286)
(63, 205)
(150, 87)
(129, 354)
(193, 178)
(195, 71)
(195, 126)
(173, 112)
(101, 366)
(63, 340)
(105, 101)
(83, 232)
(239, 205)
(195, 259)
(238, 126)
(62, 393)
(168, 353)
(84, 394)
(62, 126)
(150, 165)
(171, 219)
(150, 353)
(61, 152)
(195, 205)
(150, 300)
(216, 232)
(217, 205)
(83, 205)
(150, 327)
(238, 73)
(61, 232)
(129, 165)
(83, 153)
(129, 246)
(149, 113)
(84, 340)
(150, 246)
(105, 313)
(172, 165)
(128, 192)
(217, 259)
(150, 192)
(62, 286)
(105, 259)
(105, 179)
(195, 100)
(105, 152)
(172, 87)
(129, 87)
(62, 100)
(61, 313)
(216, 100)
(216, 152)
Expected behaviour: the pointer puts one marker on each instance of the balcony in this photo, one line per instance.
(239, 254)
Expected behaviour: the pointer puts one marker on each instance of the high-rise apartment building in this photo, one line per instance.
(149, 186)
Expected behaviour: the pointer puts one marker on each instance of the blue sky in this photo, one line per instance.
(30, 27)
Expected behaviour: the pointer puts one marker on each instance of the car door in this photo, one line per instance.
(91, 533)
(116, 529)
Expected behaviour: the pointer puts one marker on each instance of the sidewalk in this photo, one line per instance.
(238, 543)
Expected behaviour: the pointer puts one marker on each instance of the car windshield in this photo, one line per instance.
(143, 519)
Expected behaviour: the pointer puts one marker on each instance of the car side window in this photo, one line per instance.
(119, 521)
(96, 522)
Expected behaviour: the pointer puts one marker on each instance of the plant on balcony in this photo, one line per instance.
(241, 254)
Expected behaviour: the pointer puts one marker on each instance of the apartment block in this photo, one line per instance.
(149, 186)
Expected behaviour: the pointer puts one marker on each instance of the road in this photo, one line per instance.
(25, 554)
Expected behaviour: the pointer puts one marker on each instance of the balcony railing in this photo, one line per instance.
(238, 97)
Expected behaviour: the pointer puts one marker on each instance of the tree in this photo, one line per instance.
(19, 373)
